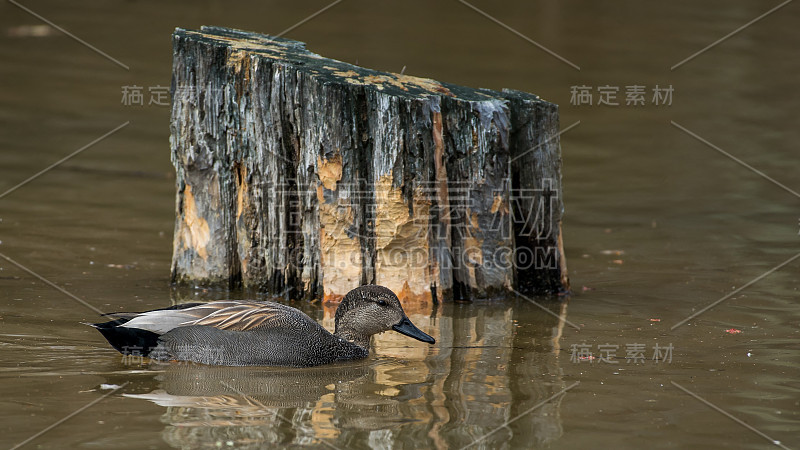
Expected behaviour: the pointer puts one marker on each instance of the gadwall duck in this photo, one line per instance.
(253, 333)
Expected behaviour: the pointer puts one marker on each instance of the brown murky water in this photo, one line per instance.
(658, 226)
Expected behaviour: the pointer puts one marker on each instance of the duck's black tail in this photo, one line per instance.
(128, 341)
(132, 341)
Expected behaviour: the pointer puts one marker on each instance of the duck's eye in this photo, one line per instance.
(382, 302)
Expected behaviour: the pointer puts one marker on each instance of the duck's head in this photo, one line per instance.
(373, 309)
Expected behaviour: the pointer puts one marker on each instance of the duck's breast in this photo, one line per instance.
(299, 344)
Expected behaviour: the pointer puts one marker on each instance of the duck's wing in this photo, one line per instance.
(233, 315)
(130, 315)
(243, 316)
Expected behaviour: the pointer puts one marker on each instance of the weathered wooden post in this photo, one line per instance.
(298, 171)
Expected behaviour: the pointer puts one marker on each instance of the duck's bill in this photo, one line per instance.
(409, 329)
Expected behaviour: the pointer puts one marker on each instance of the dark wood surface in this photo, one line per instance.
(305, 174)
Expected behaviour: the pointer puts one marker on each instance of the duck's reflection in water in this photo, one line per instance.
(243, 406)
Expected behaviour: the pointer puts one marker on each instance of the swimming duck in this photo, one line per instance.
(255, 333)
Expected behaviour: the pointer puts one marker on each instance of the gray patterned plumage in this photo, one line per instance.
(251, 333)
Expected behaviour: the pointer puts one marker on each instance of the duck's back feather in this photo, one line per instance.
(234, 315)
